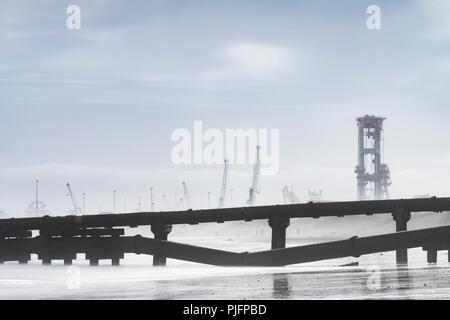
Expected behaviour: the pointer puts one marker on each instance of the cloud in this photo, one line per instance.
(436, 13)
(432, 76)
(244, 59)
(234, 63)
(256, 58)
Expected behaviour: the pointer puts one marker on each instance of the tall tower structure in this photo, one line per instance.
(372, 176)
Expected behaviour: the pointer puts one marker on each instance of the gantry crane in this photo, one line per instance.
(76, 208)
(186, 195)
(165, 201)
(289, 196)
(180, 204)
(285, 192)
(255, 182)
(152, 202)
(224, 184)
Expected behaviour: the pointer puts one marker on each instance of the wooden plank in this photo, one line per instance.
(304, 210)
(85, 232)
(113, 247)
(353, 247)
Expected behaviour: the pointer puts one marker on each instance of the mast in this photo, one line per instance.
(76, 209)
(255, 181)
(224, 184)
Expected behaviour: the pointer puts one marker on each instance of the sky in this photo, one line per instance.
(96, 107)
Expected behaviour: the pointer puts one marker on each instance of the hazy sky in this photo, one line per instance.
(97, 106)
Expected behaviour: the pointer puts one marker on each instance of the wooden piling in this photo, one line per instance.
(161, 232)
(432, 256)
(278, 225)
(401, 217)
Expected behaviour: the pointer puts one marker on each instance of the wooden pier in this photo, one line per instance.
(102, 237)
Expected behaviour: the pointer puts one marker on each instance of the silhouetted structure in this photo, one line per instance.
(61, 238)
(370, 170)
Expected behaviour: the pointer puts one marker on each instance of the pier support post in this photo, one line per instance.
(431, 255)
(115, 261)
(160, 231)
(23, 261)
(44, 253)
(67, 262)
(279, 225)
(401, 217)
(93, 262)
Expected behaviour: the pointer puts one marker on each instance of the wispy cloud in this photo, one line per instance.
(242, 59)
(233, 62)
(436, 13)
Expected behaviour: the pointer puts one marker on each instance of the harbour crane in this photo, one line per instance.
(224, 184)
(209, 199)
(186, 195)
(152, 202)
(165, 201)
(313, 195)
(289, 196)
(180, 204)
(285, 192)
(255, 182)
(76, 208)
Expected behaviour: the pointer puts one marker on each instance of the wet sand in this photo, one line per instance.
(376, 277)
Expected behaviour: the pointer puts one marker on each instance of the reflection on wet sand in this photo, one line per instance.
(281, 289)
(376, 277)
(403, 278)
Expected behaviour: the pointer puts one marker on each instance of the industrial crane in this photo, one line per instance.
(165, 201)
(179, 204)
(76, 208)
(285, 192)
(289, 196)
(152, 202)
(224, 184)
(186, 195)
(255, 182)
(293, 197)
